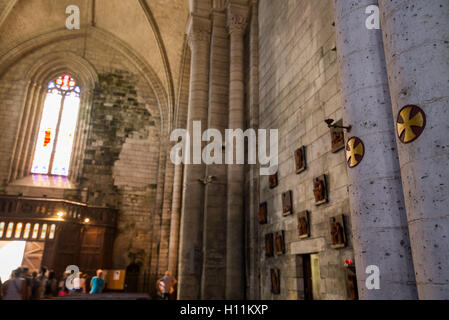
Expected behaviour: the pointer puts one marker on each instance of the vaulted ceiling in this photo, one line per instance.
(153, 29)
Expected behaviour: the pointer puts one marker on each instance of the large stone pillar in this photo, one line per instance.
(190, 264)
(378, 216)
(154, 245)
(165, 222)
(417, 52)
(253, 178)
(214, 262)
(175, 219)
(237, 22)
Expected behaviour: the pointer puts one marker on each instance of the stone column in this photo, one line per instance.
(156, 222)
(237, 22)
(165, 223)
(191, 237)
(417, 51)
(378, 216)
(253, 179)
(173, 246)
(214, 262)
(28, 115)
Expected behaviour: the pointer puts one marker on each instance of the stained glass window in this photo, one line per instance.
(44, 231)
(9, 230)
(35, 231)
(57, 128)
(18, 232)
(26, 233)
(2, 228)
(51, 235)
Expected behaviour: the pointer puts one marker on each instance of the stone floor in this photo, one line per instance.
(106, 296)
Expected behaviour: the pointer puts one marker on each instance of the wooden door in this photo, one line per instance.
(67, 247)
(132, 278)
(32, 257)
(307, 273)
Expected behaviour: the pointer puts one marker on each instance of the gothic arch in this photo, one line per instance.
(49, 67)
(56, 63)
(157, 34)
(180, 113)
(19, 51)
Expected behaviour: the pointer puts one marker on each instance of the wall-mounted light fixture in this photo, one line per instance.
(87, 220)
(330, 124)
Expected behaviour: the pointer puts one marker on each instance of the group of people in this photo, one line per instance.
(24, 285)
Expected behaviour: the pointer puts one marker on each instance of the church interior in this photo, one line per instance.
(357, 91)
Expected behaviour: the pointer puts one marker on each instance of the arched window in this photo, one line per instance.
(18, 233)
(2, 228)
(44, 231)
(57, 128)
(51, 236)
(9, 230)
(35, 231)
(26, 233)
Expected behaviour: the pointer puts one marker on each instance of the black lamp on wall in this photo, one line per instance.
(330, 124)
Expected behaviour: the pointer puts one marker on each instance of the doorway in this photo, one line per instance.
(311, 276)
(11, 256)
(15, 254)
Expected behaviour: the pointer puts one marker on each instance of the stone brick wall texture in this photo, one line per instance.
(122, 150)
(298, 91)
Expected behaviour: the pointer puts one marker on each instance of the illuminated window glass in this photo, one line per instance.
(44, 231)
(2, 228)
(57, 128)
(26, 233)
(35, 231)
(52, 232)
(9, 230)
(18, 232)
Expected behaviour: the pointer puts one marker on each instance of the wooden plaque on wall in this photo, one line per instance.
(275, 281)
(287, 206)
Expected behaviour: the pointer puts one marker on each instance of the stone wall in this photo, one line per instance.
(12, 95)
(121, 161)
(121, 157)
(298, 90)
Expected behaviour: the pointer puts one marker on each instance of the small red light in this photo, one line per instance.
(348, 262)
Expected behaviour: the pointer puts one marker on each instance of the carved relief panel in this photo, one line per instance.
(287, 206)
(320, 190)
(337, 232)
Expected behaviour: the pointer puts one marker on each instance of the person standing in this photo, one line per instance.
(43, 281)
(25, 274)
(35, 287)
(63, 290)
(15, 288)
(97, 283)
(51, 286)
(77, 284)
(166, 285)
(83, 283)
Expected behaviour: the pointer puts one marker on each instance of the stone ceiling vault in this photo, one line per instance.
(154, 29)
